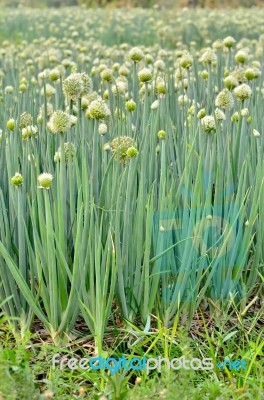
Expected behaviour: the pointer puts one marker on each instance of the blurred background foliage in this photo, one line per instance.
(132, 3)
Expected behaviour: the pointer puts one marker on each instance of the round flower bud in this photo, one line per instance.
(224, 99)
(219, 115)
(120, 145)
(208, 124)
(241, 57)
(249, 119)
(201, 114)
(25, 120)
(22, 88)
(252, 73)
(45, 180)
(243, 92)
(9, 89)
(73, 86)
(50, 91)
(102, 129)
(136, 54)
(145, 75)
(54, 74)
(229, 42)
(17, 179)
(98, 109)
(107, 147)
(59, 122)
(204, 74)
(208, 57)
(132, 152)
(10, 124)
(161, 134)
(186, 60)
(28, 132)
(155, 105)
(256, 133)
(230, 82)
(131, 105)
(235, 117)
(107, 75)
(244, 112)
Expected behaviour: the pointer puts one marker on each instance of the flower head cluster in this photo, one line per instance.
(224, 99)
(98, 109)
(208, 57)
(186, 60)
(120, 146)
(45, 180)
(17, 179)
(59, 122)
(243, 92)
(29, 131)
(136, 54)
(77, 85)
(208, 124)
(69, 152)
(25, 120)
(145, 75)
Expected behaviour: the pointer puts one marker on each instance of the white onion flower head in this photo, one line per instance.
(154, 105)
(256, 133)
(224, 99)
(219, 115)
(59, 122)
(243, 92)
(229, 42)
(145, 75)
(45, 180)
(208, 124)
(136, 54)
(209, 57)
(186, 60)
(98, 109)
(102, 128)
(73, 86)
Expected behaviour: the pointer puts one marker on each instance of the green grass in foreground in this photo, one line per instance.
(26, 368)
